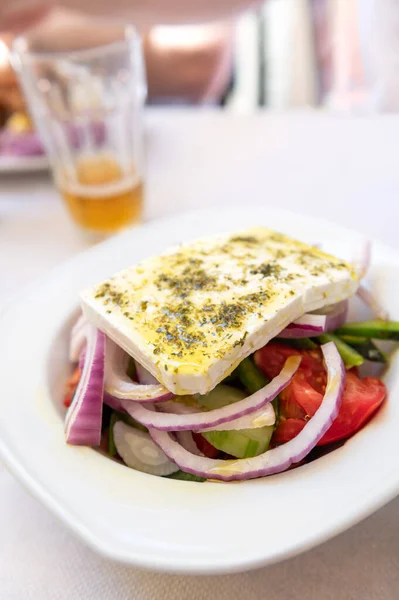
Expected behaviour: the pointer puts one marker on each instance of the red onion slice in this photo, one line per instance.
(113, 402)
(260, 418)
(185, 439)
(275, 460)
(119, 384)
(195, 421)
(82, 358)
(263, 417)
(310, 324)
(83, 419)
(369, 299)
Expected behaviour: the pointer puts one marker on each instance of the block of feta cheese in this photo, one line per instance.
(192, 314)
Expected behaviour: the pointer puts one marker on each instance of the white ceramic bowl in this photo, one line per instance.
(160, 523)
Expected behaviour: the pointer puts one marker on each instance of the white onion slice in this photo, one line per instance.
(205, 420)
(371, 301)
(139, 452)
(275, 460)
(310, 324)
(113, 402)
(84, 416)
(119, 384)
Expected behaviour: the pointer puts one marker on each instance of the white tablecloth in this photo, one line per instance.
(344, 169)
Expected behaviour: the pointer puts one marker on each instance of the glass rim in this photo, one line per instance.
(20, 50)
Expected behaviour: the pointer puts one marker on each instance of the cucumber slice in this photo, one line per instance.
(242, 443)
(220, 396)
(253, 380)
(250, 376)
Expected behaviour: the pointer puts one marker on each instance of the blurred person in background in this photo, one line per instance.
(188, 46)
(335, 53)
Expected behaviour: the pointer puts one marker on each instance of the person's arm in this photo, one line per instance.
(17, 16)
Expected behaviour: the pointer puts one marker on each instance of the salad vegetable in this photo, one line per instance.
(84, 415)
(300, 390)
(377, 330)
(378, 311)
(277, 459)
(198, 421)
(348, 354)
(139, 452)
(366, 348)
(120, 385)
(239, 442)
(300, 400)
(250, 376)
(313, 324)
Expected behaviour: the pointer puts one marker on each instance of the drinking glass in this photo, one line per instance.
(86, 90)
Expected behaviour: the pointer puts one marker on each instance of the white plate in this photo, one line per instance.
(161, 523)
(23, 164)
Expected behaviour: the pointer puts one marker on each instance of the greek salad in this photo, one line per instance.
(229, 358)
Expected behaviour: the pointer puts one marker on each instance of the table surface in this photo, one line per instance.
(342, 168)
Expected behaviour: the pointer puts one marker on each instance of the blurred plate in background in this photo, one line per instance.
(23, 164)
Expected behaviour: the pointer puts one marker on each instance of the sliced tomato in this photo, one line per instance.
(287, 429)
(104, 441)
(271, 358)
(204, 446)
(302, 393)
(361, 399)
(71, 386)
(288, 407)
(303, 396)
